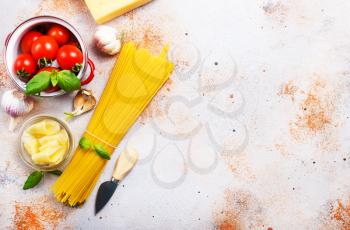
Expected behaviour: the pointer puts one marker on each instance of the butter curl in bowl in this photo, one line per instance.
(46, 143)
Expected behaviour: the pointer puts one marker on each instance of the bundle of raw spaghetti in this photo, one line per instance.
(134, 81)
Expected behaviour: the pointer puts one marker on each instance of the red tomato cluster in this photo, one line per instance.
(39, 50)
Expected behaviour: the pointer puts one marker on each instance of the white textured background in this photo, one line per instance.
(267, 81)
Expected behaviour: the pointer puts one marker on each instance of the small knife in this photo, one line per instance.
(125, 162)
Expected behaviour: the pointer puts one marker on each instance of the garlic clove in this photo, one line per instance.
(16, 104)
(83, 102)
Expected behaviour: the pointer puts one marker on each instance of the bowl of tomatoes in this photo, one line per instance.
(45, 56)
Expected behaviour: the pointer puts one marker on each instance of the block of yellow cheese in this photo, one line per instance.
(105, 10)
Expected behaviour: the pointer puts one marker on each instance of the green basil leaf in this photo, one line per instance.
(54, 78)
(101, 151)
(85, 143)
(33, 180)
(56, 172)
(38, 83)
(68, 81)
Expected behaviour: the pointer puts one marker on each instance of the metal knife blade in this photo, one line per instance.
(104, 193)
(125, 162)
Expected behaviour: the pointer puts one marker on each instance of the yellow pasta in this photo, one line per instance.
(135, 79)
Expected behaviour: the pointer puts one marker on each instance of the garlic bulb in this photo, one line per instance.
(106, 39)
(16, 104)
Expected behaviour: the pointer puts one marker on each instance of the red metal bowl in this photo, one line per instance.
(12, 50)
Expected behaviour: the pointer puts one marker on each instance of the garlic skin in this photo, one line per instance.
(106, 39)
(16, 104)
(83, 102)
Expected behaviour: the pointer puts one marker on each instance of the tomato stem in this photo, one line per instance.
(44, 62)
(76, 68)
(23, 75)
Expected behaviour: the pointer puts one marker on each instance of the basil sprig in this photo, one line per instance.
(101, 151)
(56, 172)
(38, 83)
(54, 78)
(65, 79)
(68, 81)
(33, 179)
(86, 144)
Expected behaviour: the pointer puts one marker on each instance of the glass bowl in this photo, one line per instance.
(24, 155)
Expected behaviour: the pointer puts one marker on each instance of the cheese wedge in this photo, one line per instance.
(105, 10)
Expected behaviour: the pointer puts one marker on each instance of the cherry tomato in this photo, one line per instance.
(73, 43)
(60, 34)
(25, 67)
(51, 88)
(49, 68)
(70, 57)
(28, 39)
(44, 47)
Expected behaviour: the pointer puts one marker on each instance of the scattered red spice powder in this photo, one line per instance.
(146, 36)
(240, 209)
(272, 8)
(288, 89)
(228, 225)
(144, 33)
(37, 215)
(150, 35)
(156, 109)
(281, 148)
(316, 114)
(131, 14)
(229, 217)
(69, 8)
(341, 214)
(239, 165)
(168, 84)
(276, 10)
(315, 117)
(181, 64)
(25, 218)
(5, 80)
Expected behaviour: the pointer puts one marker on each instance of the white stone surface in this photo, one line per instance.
(270, 119)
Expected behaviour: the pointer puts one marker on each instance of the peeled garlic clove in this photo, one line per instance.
(84, 101)
(106, 38)
(16, 104)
